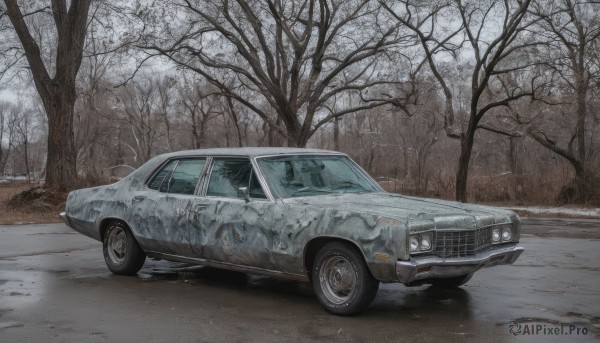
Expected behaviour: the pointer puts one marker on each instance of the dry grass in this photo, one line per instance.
(26, 212)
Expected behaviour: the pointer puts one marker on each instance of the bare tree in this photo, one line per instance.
(571, 30)
(5, 132)
(111, 27)
(494, 32)
(24, 126)
(165, 86)
(12, 116)
(286, 55)
(51, 35)
(139, 108)
(9, 55)
(200, 105)
(58, 92)
(428, 126)
(93, 127)
(20, 126)
(422, 18)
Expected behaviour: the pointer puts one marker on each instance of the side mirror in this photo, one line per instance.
(243, 193)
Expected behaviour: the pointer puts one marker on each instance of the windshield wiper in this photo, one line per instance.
(347, 184)
(308, 189)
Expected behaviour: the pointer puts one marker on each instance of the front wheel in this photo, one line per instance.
(452, 282)
(122, 253)
(342, 281)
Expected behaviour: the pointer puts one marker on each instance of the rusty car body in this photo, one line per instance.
(303, 214)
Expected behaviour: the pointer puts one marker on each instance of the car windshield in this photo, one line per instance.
(302, 175)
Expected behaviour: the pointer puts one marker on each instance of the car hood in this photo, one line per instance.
(412, 210)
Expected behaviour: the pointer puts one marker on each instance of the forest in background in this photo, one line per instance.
(480, 101)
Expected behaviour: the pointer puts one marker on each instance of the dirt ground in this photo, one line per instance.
(38, 208)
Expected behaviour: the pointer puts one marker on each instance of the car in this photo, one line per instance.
(302, 214)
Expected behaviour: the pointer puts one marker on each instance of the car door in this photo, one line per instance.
(231, 229)
(162, 211)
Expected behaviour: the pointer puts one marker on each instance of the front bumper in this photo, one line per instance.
(432, 267)
(65, 219)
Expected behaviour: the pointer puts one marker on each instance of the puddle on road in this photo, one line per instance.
(425, 300)
(170, 272)
(192, 274)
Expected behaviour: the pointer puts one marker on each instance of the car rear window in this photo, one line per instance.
(178, 176)
(160, 176)
(185, 176)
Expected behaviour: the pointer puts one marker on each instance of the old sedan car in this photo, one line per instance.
(301, 214)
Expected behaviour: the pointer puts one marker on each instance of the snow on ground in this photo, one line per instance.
(7, 178)
(568, 211)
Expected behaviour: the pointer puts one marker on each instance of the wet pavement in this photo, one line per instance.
(55, 287)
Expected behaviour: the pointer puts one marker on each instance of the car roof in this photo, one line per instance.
(250, 151)
(144, 171)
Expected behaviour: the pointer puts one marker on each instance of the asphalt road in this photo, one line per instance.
(55, 287)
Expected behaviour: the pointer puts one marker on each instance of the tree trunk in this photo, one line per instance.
(200, 133)
(168, 131)
(581, 89)
(1, 140)
(291, 142)
(274, 138)
(515, 170)
(462, 175)
(61, 158)
(2, 162)
(581, 184)
(26, 159)
(371, 160)
(336, 134)
(235, 120)
(301, 138)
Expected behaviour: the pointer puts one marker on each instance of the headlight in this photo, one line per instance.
(421, 242)
(414, 243)
(496, 235)
(425, 242)
(506, 234)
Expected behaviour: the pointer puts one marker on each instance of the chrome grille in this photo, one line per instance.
(450, 244)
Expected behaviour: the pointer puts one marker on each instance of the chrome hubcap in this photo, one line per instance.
(117, 244)
(338, 279)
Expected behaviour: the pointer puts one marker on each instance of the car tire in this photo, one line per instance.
(452, 282)
(122, 253)
(342, 281)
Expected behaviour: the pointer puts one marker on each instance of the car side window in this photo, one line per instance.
(185, 177)
(228, 175)
(255, 190)
(160, 176)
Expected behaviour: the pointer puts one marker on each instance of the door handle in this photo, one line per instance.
(139, 197)
(200, 207)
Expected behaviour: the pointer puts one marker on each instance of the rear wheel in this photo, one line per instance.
(452, 282)
(341, 279)
(122, 253)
